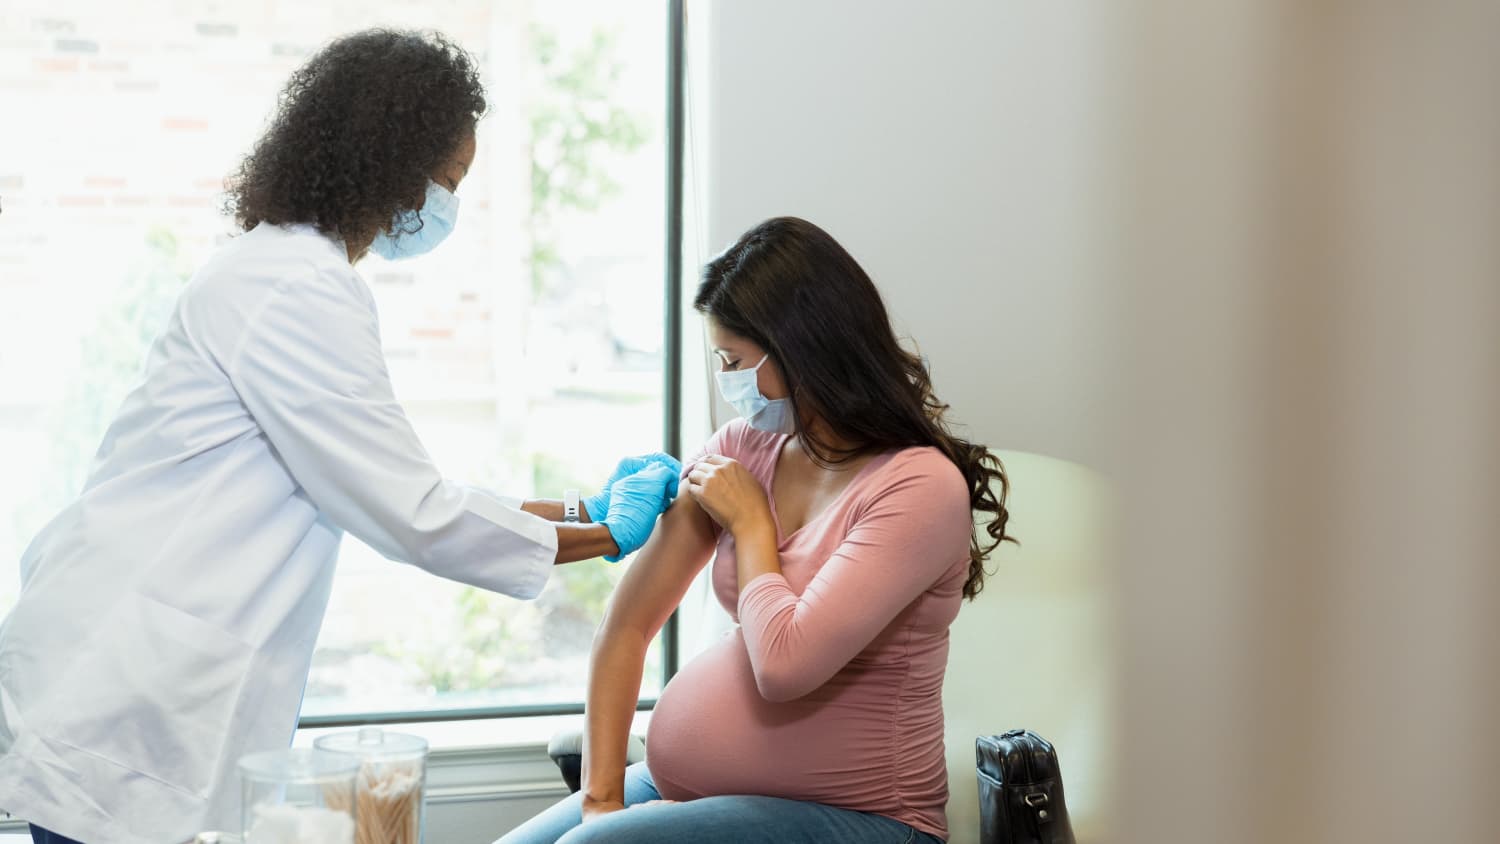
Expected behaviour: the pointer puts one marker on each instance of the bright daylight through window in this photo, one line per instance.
(527, 351)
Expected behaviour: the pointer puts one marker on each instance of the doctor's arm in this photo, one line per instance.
(652, 587)
(310, 370)
(595, 508)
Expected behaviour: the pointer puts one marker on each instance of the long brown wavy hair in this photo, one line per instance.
(789, 287)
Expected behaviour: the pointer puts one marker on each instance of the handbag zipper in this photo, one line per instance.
(1031, 776)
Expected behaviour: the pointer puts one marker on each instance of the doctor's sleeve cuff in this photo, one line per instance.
(511, 501)
(522, 560)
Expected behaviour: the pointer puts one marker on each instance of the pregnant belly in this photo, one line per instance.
(712, 733)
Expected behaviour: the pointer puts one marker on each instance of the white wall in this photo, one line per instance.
(950, 147)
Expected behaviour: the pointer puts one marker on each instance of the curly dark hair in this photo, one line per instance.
(357, 132)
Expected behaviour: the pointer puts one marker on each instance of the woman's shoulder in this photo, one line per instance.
(921, 473)
(737, 439)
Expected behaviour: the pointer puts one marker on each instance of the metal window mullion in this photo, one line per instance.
(672, 324)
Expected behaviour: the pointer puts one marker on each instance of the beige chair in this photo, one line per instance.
(1031, 651)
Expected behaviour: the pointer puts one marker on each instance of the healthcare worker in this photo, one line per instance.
(167, 617)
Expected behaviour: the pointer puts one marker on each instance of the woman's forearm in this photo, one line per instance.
(651, 587)
(615, 668)
(755, 552)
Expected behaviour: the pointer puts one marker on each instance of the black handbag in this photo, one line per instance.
(1020, 791)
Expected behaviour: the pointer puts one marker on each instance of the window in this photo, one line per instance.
(527, 351)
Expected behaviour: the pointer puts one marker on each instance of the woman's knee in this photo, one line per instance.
(638, 825)
(592, 833)
(548, 826)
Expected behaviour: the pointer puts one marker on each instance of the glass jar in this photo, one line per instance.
(391, 785)
(298, 796)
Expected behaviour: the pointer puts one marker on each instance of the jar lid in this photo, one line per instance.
(298, 764)
(373, 743)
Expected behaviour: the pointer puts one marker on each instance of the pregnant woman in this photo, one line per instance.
(839, 513)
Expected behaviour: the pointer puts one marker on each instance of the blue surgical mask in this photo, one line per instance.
(741, 388)
(439, 215)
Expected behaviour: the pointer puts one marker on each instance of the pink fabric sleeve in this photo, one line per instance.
(910, 534)
(726, 441)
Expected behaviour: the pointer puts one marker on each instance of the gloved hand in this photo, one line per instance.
(598, 505)
(635, 502)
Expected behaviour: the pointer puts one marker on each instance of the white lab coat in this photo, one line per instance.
(167, 617)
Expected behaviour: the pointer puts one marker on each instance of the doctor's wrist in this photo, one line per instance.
(577, 541)
(544, 508)
(552, 509)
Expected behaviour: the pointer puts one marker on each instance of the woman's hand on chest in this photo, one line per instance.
(730, 495)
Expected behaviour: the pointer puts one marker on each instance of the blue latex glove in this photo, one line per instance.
(635, 503)
(597, 505)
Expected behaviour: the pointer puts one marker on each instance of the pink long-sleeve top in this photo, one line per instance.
(830, 689)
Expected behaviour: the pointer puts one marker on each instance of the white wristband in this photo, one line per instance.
(570, 505)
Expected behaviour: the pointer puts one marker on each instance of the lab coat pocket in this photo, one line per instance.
(155, 693)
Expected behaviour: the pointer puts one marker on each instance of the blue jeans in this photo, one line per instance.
(736, 819)
(42, 836)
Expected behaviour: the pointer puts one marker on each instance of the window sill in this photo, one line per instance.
(486, 759)
(479, 733)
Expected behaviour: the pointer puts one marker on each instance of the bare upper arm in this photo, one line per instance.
(662, 570)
